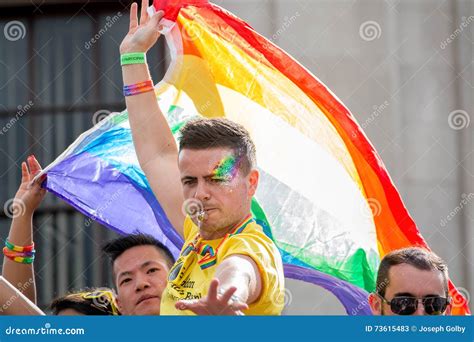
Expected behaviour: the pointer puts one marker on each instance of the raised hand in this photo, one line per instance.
(215, 303)
(30, 194)
(27, 200)
(141, 35)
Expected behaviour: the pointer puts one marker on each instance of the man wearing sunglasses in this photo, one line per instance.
(411, 281)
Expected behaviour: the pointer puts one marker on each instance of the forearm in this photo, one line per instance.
(233, 277)
(13, 302)
(151, 134)
(21, 275)
(240, 271)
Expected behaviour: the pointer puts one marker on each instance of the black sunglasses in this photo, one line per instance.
(407, 305)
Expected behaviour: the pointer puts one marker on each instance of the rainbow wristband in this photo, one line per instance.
(138, 88)
(22, 260)
(133, 58)
(16, 248)
(20, 257)
(13, 254)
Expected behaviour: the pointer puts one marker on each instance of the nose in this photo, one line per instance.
(141, 283)
(420, 309)
(202, 192)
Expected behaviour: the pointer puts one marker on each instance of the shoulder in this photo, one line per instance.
(252, 242)
(189, 228)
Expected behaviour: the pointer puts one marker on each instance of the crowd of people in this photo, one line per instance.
(227, 265)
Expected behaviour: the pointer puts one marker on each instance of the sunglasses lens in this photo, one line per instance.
(435, 305)
(403, 305)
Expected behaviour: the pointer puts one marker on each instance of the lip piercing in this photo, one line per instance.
(200, 215)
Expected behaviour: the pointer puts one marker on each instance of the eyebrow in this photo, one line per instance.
(145, 264)
(123, 274)
(408, 294)
(194, 178)
(404, 294)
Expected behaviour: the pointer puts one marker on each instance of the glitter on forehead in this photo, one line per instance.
(227, 168)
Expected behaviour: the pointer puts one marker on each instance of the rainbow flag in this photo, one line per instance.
(325, 196)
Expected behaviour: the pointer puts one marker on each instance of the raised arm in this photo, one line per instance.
(27, 200)
(154, 143)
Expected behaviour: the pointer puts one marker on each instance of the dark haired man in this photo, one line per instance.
(140, 267)
(227, 264)
(411, 281)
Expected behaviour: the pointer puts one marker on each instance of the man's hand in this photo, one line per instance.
(141, 36)
(215, 303)
(30, 193)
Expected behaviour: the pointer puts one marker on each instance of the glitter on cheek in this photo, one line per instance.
(226, 169)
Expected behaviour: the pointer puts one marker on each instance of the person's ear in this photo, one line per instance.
(253, 182)
(375, 303)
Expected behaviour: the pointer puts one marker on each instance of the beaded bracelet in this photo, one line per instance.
(138, 88)
(10, 253)
(16, 248)
(22, 260)
(20, 257)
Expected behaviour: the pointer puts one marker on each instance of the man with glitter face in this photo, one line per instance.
(227, 265)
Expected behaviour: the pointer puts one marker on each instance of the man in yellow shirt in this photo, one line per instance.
(227, 264)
